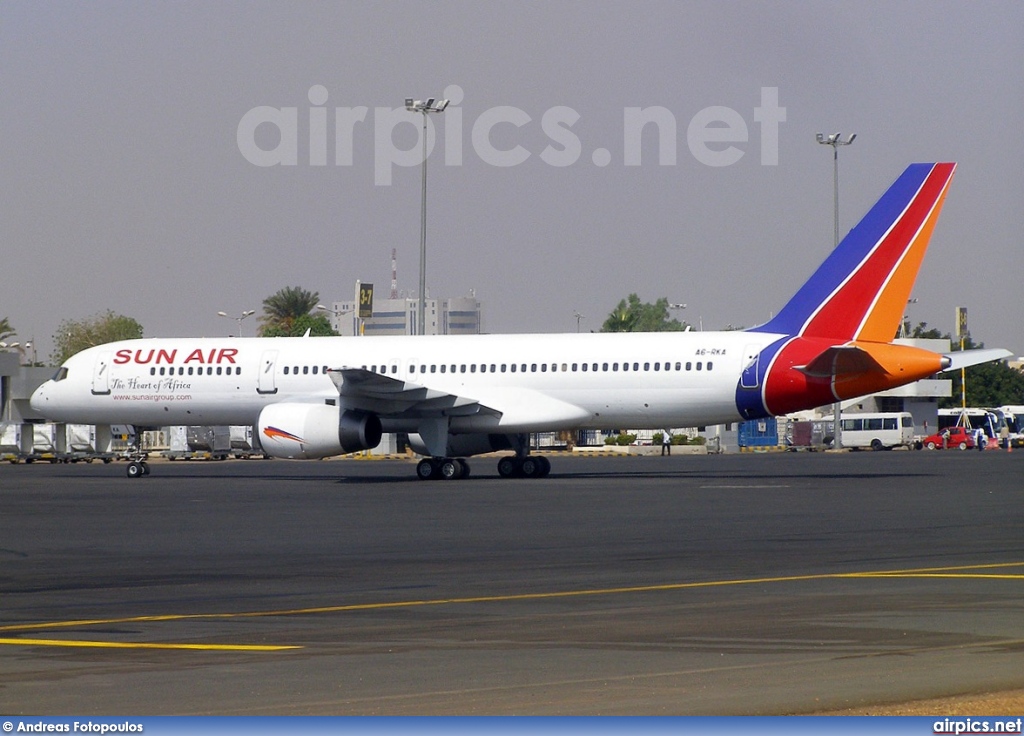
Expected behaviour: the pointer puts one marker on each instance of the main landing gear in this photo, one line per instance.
(524, 467)
(447, 468)
(454, 468)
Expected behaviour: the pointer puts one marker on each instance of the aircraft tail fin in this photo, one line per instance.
(860, 292)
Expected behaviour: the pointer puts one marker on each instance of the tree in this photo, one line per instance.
(317, 324)
(632, 315)
(73, 336)
(280, 310)
(6, 330)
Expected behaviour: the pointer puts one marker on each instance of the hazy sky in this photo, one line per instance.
(125, 185)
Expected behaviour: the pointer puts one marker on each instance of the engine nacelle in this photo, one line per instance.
(464, 445)
(312, 431)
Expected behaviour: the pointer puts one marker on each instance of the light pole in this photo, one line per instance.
(431, 105)
(835, 140)
(578, 317)
(677, 306)
(905, 324)
(238, 319)
(338, 314)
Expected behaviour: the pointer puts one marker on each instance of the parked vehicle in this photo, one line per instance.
(958, 437)
(879, 431)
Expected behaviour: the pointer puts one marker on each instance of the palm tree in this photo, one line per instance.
(280, 310)
(5, 329)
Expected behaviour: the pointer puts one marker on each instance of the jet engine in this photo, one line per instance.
(312, 431)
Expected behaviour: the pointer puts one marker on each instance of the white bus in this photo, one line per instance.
(878, 430)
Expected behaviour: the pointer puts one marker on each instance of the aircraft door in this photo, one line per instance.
(266, 382)
(751, 362)
(101, 375)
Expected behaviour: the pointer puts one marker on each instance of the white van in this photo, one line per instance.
(879, 431)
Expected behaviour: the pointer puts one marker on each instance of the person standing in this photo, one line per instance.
(980, 439)
(666, 442)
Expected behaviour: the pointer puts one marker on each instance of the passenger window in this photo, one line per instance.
(636, 366)
(442, 368)
(698, 365)
(305, 370)
(190, 370)
(433, 369)
(533, 368)
(689, 365)
(565, 368)
(219, 371)
(647, 366)
(316, 369)
(604, 366)
(162, 370)
(152, 371)
(513, 367)
(584, 367)
(503, 367)
(492, 367)
(472, 368)
(657, 366)
(679, 366)
(615, 366)
(543, 367)
(462, 368)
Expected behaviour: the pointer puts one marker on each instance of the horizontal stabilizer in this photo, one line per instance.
(966, 358)
(846, 359)
(843, 362)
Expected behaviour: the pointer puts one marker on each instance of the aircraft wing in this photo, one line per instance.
(391, 397)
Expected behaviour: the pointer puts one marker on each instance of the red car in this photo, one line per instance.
(958, 437)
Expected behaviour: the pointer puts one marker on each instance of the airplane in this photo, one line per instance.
(458, 396)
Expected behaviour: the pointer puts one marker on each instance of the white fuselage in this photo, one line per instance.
(533, 382)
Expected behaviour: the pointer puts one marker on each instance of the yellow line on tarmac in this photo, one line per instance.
(144, 645)
(961, 571)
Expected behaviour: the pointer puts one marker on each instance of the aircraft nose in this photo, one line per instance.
(39, 398)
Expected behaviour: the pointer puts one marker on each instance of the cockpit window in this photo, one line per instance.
(60, 375)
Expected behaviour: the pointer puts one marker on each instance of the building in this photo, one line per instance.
(452, 316)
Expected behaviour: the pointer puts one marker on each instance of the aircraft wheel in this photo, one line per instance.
(507, 467)
(135, 470)
(426, 469)
(450, 469)
(532, 467)
(465, 468)
(545, 466)
(145, 468)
